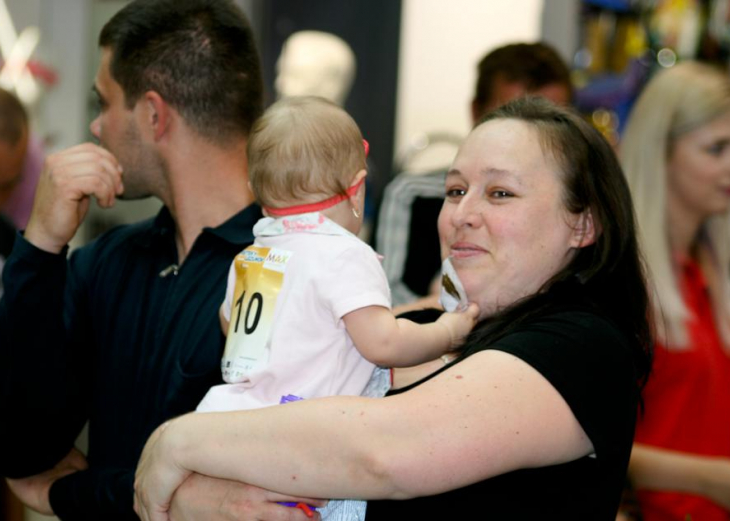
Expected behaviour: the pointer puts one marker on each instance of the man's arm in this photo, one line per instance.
(59, 400)
(44, 356)
(34, 491)
(41, 367)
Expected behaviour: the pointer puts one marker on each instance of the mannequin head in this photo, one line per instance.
(314, 63)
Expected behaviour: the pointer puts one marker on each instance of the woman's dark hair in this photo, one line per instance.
(199, 55)
(609, 272)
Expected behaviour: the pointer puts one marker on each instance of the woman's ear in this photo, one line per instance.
(584, 230)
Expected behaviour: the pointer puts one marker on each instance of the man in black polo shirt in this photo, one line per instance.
(125, 334)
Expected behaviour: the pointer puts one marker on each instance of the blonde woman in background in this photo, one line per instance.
(676, 155)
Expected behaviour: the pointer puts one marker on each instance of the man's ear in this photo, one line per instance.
(584, 230)
(159, 114)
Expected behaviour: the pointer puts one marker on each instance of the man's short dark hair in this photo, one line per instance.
(13, 118)
(534, 65)
(199, 55)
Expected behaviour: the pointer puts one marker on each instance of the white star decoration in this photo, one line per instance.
(16, 51)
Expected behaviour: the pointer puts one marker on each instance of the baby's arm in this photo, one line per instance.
(390, 342)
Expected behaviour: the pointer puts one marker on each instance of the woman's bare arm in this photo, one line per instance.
(661, 469)
(483, 417)
(404, 376)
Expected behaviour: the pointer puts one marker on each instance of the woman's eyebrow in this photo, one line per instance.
(496, 172)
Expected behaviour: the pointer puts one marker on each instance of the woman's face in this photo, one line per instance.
(503, 222)
(698, 172)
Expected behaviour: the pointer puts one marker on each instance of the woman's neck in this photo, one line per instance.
(684, 230)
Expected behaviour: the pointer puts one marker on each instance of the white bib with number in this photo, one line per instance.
(259, 278)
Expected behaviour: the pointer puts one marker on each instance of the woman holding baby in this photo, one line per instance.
(534, 418)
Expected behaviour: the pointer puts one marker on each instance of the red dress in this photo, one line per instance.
(687, 403)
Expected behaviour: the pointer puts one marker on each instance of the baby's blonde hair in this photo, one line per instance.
(302, 150)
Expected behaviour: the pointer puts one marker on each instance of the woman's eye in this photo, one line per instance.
(717, 148)
(455, 192)
(500, 194)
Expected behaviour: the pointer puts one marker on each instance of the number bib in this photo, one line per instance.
(259, 277)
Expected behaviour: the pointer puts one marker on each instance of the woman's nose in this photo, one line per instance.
(467, 212)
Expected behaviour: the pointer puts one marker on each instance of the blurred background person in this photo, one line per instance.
(21, 161)
(676, 156)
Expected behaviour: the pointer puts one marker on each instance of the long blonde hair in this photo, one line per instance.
(676, 101)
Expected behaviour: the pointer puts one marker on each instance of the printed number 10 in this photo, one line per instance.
(249, 327)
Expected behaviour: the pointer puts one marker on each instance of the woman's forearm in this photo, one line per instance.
(661, 469)
(263, 448)
(255, 447)
(451, 431)
(426, 441)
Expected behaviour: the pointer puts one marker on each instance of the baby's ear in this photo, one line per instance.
(359, 176)
(353, 191)
(584, 230)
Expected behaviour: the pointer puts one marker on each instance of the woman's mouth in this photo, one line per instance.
(464, 250)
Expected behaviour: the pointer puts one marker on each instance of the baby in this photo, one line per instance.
(307, 308)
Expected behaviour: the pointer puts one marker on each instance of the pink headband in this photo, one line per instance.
(315, 207)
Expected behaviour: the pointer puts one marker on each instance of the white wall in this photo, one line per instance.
(60, 115)
(63, 114)
(441, 44)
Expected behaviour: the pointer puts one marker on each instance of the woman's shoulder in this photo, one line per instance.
(578, 322)
(574, 343)
(566, 324)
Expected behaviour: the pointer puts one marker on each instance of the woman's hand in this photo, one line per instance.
(212, 499)
(157, 476)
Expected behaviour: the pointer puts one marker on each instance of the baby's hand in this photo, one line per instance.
(459, 324)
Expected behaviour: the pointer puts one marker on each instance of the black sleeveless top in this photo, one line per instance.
(589, 362)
